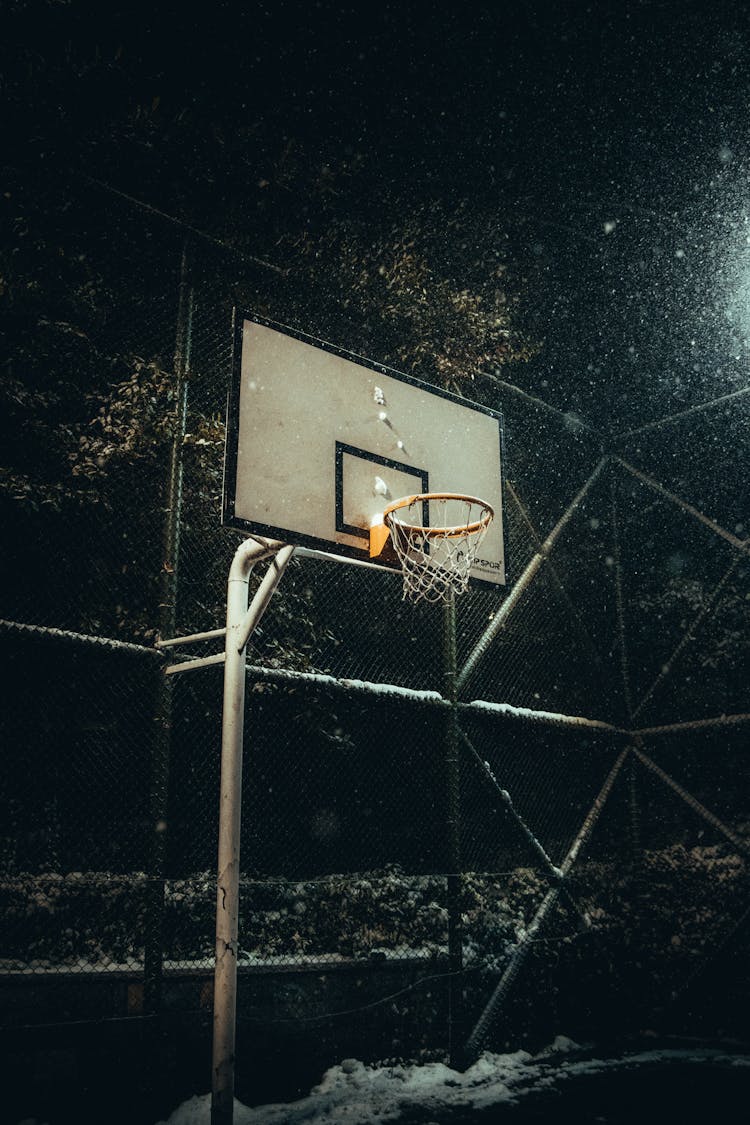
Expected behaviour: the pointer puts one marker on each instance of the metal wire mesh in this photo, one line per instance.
(626, 606)
(75, 796)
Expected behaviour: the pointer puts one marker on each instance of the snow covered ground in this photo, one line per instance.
(354, 1093)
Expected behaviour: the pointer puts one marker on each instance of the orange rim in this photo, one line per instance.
(439, 532)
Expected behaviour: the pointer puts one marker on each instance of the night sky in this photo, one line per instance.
(609, 140)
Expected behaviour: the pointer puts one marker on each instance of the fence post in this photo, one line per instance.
(153, 951)
(453, 825)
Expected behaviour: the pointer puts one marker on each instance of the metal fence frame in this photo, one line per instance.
(453, 701)
(241, 623)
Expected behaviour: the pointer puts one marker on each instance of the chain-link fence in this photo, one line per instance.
(597, 879)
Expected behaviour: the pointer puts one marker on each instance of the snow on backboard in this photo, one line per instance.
(320, 440)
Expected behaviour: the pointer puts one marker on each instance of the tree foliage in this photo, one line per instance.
(88, 299)
(434, 290)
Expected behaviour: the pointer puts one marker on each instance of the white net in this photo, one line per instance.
(437, 537)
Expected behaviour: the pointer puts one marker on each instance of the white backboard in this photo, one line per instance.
(320, 440)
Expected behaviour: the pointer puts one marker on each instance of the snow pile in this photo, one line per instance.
(354, 1092)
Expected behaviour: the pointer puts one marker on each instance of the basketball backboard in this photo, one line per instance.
(319, 441)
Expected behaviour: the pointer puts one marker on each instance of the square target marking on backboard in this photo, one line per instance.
(319, 440)
(361, 476)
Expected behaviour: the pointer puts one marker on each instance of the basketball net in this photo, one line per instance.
(436, 537)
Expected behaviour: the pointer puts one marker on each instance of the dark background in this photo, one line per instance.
(598, 155)
(609, 142)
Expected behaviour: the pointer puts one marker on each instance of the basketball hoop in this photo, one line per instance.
(436, 536)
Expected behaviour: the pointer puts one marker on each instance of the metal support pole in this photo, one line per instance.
(249, 552)
(634, 819)
(153, 944)
(453, 825)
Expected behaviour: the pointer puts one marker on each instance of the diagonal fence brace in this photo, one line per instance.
(687, 636)
(681, 415)
(690, 800)
(742, 545)
(534, 844)
(519, 589)
(572, 610)
(477, 1039)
